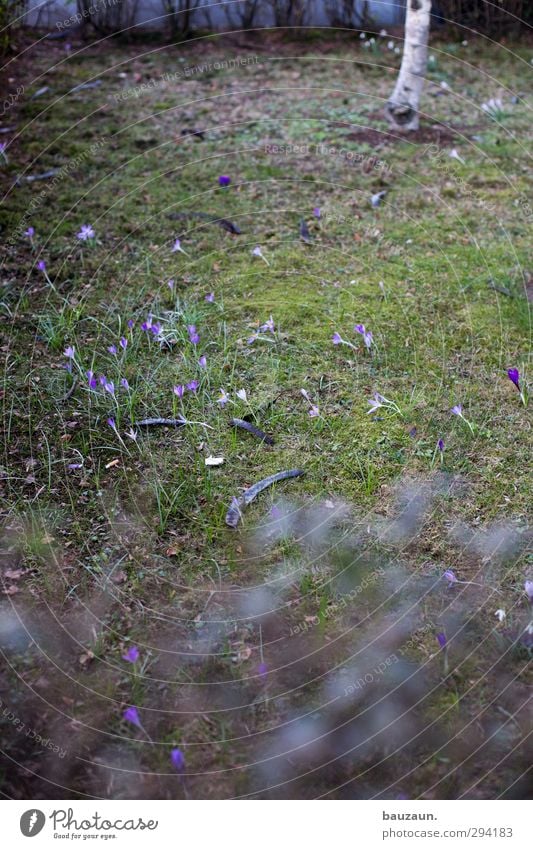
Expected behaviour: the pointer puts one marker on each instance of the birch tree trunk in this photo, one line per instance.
(402, 108)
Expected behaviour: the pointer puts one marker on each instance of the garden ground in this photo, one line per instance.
(318, 649)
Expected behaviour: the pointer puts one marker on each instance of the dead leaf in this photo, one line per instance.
(11, 590)
(14, 574)
(119, 577)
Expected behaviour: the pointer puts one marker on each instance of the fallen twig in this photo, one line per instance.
(225, 223)
(83, 86)
(179, 422)
(46, 175)
(262, 408)
(238, 504)
(501, 289)
(70, 391)
(168, 422)
(255, 431)
(304, 232)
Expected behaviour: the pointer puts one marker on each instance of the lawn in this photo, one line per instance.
(363, 632)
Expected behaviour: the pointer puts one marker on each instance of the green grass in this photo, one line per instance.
(415, 271)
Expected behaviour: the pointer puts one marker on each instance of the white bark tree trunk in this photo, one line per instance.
(402, 108)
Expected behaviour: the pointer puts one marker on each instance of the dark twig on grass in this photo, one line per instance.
(262, 408)
(501, 289)
(255, 431)
(31, 178)
(163, 422)
(199, 134)
(238, 504)
(304, 232)
(70, 392)
(83, 86)
(211, 219)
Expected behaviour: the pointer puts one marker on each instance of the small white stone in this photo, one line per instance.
(214, 461)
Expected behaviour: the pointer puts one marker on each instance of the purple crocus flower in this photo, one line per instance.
(528, 586)
(73, 466)
(41, 265)
(514, 376)
(193, 385)
(30, 232)
(268, 325)
(146, 325)
(316, 212)
(109, 387)
(210, 297)
(223, 398)
(193, 335)
(450, 576)
(112, 424)
(179, 390)
(177, 759)
(131, 714)
(336, 339)
(124, 383)
(376, 402)
(132, 655)
(224, 180)
(102, 380)
(93, 383)
(458, 411)
(440, 445)
(69, 353)
(123, 343)
(259, 253)
(170, 284)
(441, 639)
(262, 669)
(366, 334)
(202, 362)
(177, 247)
(131, 323)
(313, 411)
(112, 349)
(85, 233)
